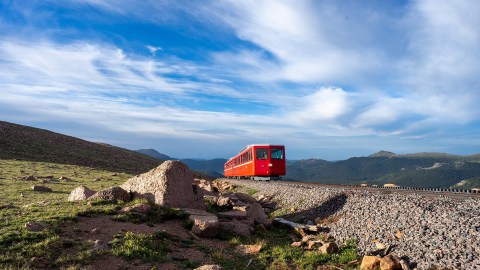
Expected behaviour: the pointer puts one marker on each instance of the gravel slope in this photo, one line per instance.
(437, 231)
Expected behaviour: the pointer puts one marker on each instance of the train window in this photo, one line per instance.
(277, 153)
(261, 153)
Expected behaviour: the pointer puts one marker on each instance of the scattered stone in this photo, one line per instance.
(80, 193)
(379, 246)
(390, 262)
(236, 228)
(255, 212)
(170, 184)
(33, 226)
(41, 188)
(137, 208)
(311, 244)
(399, 234)
(370, 263)
(99, 245)
(112, 194)
(95, 231)
(240, 215)
(297, 244)
(205, 184)
(205, 226)
(249, 249)
(197, 212)
(224, 201)
(209, 267)
(38, 262)
(66, 179)
(328, 248)
(245, 197)
(29, 178)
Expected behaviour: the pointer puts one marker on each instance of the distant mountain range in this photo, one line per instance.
(212, 167)
(413, 170)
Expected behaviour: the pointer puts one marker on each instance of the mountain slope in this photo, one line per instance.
(154, 153)
(34, 144)
(415, 170)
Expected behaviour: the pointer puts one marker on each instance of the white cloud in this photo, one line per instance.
(325, 104)
(153, 50)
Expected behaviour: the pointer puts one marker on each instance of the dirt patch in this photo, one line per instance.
(89, 229)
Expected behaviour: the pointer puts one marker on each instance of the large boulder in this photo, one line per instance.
(170, 184)
(112, 194)
(80, 193)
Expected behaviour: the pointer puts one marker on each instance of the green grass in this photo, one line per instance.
(146, 248)
(18, 245)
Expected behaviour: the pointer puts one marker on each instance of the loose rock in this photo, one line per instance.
(80, 193)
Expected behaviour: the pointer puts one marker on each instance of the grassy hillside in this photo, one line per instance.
(33, 144)
(468, 183)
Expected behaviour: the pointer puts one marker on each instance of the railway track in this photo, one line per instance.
(427, 192)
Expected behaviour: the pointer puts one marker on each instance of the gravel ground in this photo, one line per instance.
(435, 231)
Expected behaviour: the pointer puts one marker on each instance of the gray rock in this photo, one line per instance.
(170, 184)
(205, 226)
(80, 193)
(112, 194)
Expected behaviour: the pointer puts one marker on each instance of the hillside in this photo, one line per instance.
(415, 170)
(154, 153)
(468, 183)
(211, 167)
(34, 144)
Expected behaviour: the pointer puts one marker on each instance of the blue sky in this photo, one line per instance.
(202, 79)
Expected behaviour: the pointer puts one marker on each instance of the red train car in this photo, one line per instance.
(258, 162)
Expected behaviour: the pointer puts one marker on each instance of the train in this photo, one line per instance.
(257, 162)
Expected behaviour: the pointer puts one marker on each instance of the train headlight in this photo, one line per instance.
(270, 165)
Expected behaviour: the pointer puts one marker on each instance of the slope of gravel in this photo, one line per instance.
(435, 231)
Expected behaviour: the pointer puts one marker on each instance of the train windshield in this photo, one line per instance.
(277, 153)
(261, 153)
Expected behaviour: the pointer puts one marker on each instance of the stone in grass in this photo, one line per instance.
(370, 263)
(99, 245)
(328, 248)
(390, 262)
(209, 267)
(237, 228)
(33, 226)
(205, 226)
(249, 249)
(137, 208)
(41, 188)
(80, 193)
(112, 194)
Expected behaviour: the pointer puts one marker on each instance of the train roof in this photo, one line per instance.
(250, 145)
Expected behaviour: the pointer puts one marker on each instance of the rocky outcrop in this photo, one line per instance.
(112, 194)
(80, 193)
(170, 184)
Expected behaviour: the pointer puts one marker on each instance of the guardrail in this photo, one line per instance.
(450, 190)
